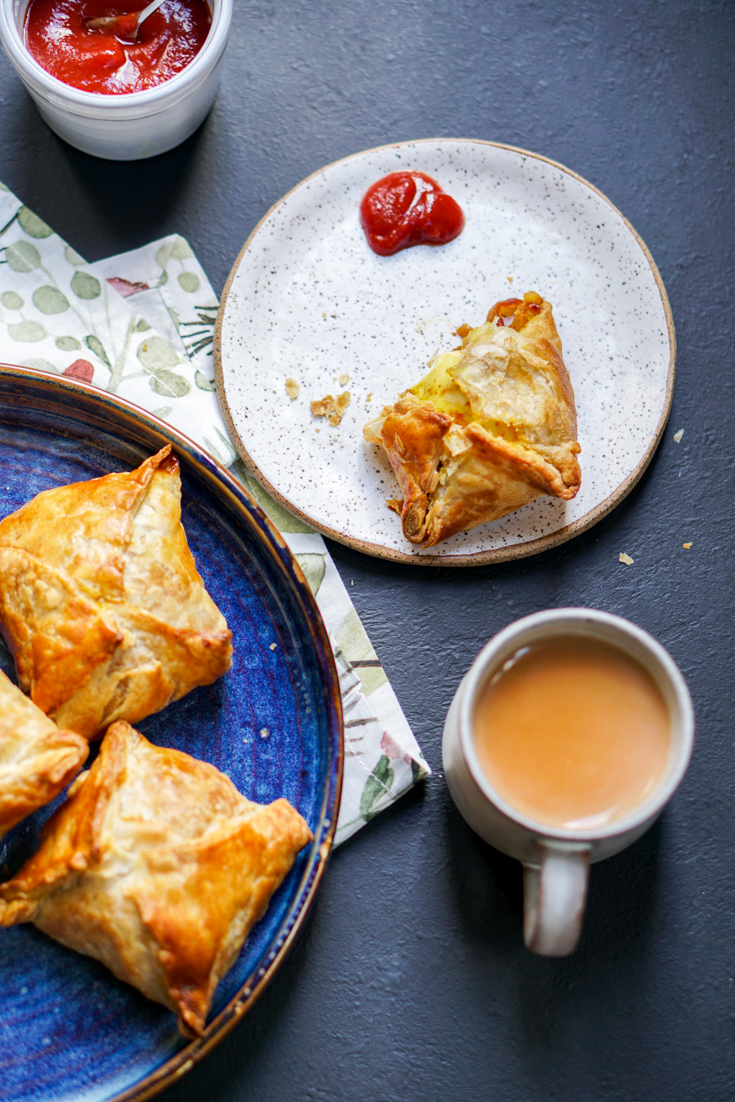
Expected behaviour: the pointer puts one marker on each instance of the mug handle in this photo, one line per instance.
(554, 894)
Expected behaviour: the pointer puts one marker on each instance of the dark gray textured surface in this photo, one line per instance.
(411, 982)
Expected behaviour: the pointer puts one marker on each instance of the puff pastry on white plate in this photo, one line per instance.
(100, 600)
(491, 426)
(158, 867)
(37, 759)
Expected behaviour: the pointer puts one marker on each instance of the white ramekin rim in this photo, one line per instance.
(126, 105)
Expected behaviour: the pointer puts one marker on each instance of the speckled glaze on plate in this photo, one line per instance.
(69, 1030)
(307, 298)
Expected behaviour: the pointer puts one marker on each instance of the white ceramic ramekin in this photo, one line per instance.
(128, 126)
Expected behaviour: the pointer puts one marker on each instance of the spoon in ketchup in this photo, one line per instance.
(123, 26)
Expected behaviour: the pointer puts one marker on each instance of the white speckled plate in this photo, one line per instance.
(307, 298)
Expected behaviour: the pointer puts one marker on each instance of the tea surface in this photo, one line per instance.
(572, 732)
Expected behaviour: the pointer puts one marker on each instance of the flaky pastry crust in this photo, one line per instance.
(37, 759)
(158, 867)
(101, 603)
(491, 426)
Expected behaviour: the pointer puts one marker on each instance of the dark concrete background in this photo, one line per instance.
(411, 981)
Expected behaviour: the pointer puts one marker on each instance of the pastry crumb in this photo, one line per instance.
(273, 646)
(686, 546)
(369, 397)
(330, 407)
(678, 435)
(344, 380)
(292, 387)
(622, 557)
(509, 278)
(264, 732)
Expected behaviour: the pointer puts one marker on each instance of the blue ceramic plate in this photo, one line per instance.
(68, 1028)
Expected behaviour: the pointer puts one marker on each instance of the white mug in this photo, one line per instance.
(556, 860)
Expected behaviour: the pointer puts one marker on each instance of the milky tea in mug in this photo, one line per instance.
(572, 732)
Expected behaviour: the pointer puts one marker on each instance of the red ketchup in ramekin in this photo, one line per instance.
(57, 35)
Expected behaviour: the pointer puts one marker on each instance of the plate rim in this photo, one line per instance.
(491, 555)
(321, 848)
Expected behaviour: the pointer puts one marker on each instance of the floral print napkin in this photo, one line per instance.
(141, 325)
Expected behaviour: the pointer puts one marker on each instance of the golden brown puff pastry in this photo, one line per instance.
(36, 759)
(100, 599)
(489, 428)
(158, 867)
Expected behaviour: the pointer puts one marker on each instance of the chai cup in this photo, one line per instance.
(555, 859)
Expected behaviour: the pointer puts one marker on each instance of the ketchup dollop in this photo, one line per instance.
(57, 36)
(408, 208)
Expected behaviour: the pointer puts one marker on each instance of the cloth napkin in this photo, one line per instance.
(141, 325)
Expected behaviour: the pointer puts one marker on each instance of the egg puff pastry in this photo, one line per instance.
(36, 759)
(158, 867)
(489, 428)
(100, 600)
